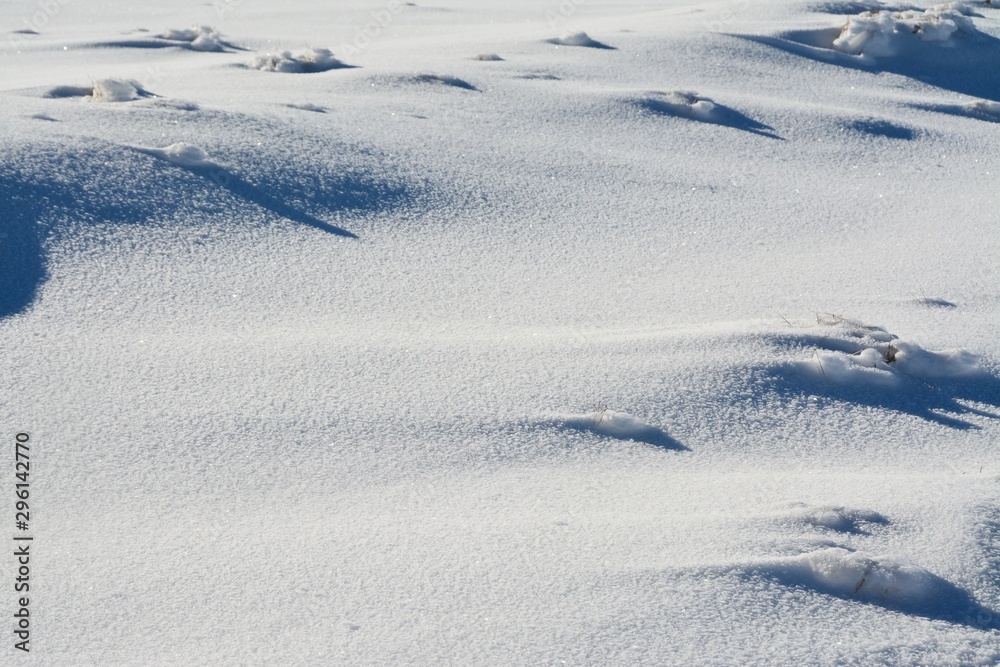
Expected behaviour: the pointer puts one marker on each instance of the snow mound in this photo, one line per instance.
(198, 38)
(488, 57)
(578, 39)
(692, 106)
(684, 103)
(313, 60)
(866, 353)
(115, 90)
(984, 108)
(621, 426)
(884, 580)
(181, 154)
(834, 517)
(880, 33)
(104, 90)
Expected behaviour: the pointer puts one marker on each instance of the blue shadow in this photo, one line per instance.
(881, 128)
(649, 435)
(949, 602)
(22, 257)
(50, 191)
(161, 43)
(589, 44)
(968, 69)
(243, 189)
(960, 110)
(720, 115)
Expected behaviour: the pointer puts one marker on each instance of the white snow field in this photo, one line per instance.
(502, 333)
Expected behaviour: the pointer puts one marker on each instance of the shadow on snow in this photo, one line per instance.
(942, 400)
(965, 69)
(51, 191)
(720, 115)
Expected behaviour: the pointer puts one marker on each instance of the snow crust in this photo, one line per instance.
(441, 360)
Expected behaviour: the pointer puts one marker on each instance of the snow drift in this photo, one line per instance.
(881, 33)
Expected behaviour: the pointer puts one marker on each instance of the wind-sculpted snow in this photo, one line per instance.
(494, 340)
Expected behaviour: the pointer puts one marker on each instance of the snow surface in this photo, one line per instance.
(439, 358)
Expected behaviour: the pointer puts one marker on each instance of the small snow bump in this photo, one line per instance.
(684, 103)
(181, 154)
(198, 38)
(578, 39)
(115, 90)
(621, 426)
(310, 61)
(885, 580)
(985, 108)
